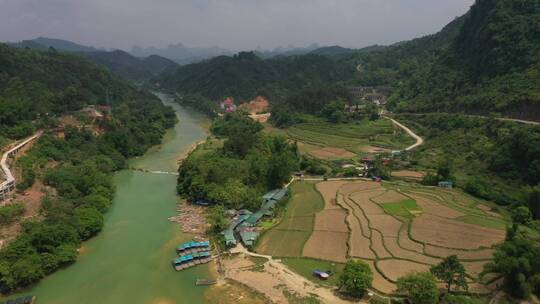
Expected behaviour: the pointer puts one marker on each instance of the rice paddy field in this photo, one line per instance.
(395, 228)
(341, 141)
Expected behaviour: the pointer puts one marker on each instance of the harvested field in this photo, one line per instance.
(283, 242)
(474, 268)
(431, 206)
(357, 212)
(414, 175)
(328, 191)
(398, 252)
(332, 153)
(390, 196)
(331, 220)
(373, 149)
(452, 234)
(401, 231)
(394, 269)
(378, 245)
(363, 201)
(406, 243)
(379, 282)
(359, 245)
(324, 245)
(483, 254)
(352, 187)
(386, 224)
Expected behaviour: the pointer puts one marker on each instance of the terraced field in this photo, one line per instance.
(334, 141)
(401, 228)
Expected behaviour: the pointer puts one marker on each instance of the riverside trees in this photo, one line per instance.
(237, 174)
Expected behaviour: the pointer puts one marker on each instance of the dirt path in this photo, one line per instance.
(419, 140)
(279, 273)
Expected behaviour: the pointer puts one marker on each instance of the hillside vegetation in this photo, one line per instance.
(36, 89)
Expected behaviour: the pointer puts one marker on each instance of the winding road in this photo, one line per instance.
(419, 140)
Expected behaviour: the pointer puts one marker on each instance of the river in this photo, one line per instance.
(129, 261)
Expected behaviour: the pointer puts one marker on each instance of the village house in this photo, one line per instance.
(228, 105)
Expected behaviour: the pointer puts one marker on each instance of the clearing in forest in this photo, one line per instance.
(395, 228)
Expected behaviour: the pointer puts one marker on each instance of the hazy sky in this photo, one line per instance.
(232, 24)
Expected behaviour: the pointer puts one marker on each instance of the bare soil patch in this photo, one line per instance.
(462, 254)
(452, 234)
(331, 220)
(394, 269)
(408, 174)
(325, 245)
(328, 190)
(332, 153)
(432, 207)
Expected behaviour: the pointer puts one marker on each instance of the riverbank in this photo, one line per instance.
(129, 261)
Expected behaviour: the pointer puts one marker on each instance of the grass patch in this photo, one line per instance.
(283, 242)
(290, 235)
(305, 267)
(483, 221)
(294, 298)
(303, 223)
(405, 208)
(305, 200)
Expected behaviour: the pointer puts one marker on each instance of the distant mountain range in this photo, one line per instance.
(180, 53)
(117, 61)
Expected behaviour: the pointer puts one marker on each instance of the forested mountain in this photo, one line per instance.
(59, 44)
(130, 67)
(121, 63)
(491, 66)
(245, 75)
(485, 61)
(180, 53)
(37, 90)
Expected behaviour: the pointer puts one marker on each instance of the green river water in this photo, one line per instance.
(129, 261)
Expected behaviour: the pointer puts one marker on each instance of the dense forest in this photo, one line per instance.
(36, 89)
(237, 174)
(245, 76)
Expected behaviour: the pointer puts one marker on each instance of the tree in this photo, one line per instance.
(217, 220)
(521, 215)
(333, 111)
(356, 278)
(420, 287)
(518, 260)
(534, 201)
(451, 272)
